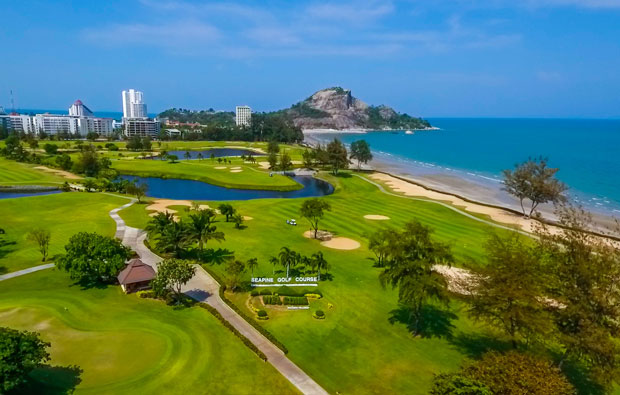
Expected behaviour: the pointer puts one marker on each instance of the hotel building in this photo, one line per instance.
(243, 115)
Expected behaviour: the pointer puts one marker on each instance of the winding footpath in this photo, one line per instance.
(203, 288)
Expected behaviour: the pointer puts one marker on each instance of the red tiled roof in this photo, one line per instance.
(136, 271)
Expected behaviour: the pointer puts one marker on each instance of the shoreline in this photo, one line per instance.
(464, 193)
(361, 131)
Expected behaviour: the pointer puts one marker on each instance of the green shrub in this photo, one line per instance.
(266, 292)
(319, 315)
(313, 296)
(268, 299)
(254, 292)
(146, 294)
(296, 300)
(262, 315)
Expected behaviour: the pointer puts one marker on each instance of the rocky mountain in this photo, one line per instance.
(337, 108)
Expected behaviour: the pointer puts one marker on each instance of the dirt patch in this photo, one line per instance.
(63, 173)
(236, 171)
(341, 243)
(322, 235)
(376, 217)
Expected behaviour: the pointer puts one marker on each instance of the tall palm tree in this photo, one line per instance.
(187, 155)
(201, 228)
(274, 261)
(199, 156)
(318, 261)
(288, 258)
(162, 154)
(252, 264)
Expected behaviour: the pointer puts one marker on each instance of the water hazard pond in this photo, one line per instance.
(179, 189)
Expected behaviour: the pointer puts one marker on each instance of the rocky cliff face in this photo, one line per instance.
(336, 108)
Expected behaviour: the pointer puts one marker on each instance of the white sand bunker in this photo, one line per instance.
(235, 168)
(337, 243)
(264, 165)
(63, 173)
(161, 206)
(220, 167)
(376, 217)
(236, 171)
(246, 218)
(341, 243)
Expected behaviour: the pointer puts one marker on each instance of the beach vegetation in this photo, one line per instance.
(360, 151)
(337, 156)
(535, 181)
(410, 270)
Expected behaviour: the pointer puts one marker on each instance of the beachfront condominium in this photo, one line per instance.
(243, 115)
(78, 109)
(142, 127)
(133, 104)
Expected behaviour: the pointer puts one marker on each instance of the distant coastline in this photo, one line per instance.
(361, 131)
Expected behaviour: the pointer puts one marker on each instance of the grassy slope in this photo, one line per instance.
(204, 170)
(125, 344)
(356, 349)
(62, 214)
(15, 173)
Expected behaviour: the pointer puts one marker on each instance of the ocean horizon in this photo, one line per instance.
(117, 115)
(467, 155)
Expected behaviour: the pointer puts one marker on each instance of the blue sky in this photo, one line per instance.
(529, 58)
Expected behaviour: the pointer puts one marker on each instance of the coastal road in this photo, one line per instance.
(203, 288)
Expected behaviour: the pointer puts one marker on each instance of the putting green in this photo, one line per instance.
(126, 344)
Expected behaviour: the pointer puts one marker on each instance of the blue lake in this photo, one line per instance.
(196, 190)
(216, 152)
(11, 195)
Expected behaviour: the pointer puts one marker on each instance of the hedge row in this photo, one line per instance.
(268, 299)
(234, 330)
(249, 320)
(285, 291)
(296, 300)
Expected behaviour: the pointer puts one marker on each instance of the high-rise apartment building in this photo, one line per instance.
(78, 109)
(133, 104)
(243, 115)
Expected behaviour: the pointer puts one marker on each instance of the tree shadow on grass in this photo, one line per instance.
(4, 251)
(214, 256)
(474, 345)
(3, 270)
(435, 322)
(52, 380)
(577, 374)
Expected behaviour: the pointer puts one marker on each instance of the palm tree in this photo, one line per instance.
(162, 154)
(187, 155)
(252, 264)
(274, 261)
(159, 222)
(173, 238)
(212, 157)
(199, 156)
(201, 228)
(288, 258)
(319, 262)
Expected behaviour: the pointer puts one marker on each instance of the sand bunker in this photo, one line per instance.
(220, 167)
(63, 173)
(235, 168)
(246, 218)
(236, 171)
(161, 206)
(264, 165)
(376, 217)
(341, 243)
(337, 243)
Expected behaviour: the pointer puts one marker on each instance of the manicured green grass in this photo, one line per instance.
(16, 173)
(124, 344)
(205, 170)
(362, 346)
(63, 214)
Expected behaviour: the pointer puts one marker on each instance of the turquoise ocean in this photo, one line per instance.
(476, 150)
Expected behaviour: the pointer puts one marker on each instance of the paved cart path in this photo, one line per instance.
(203, 288)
